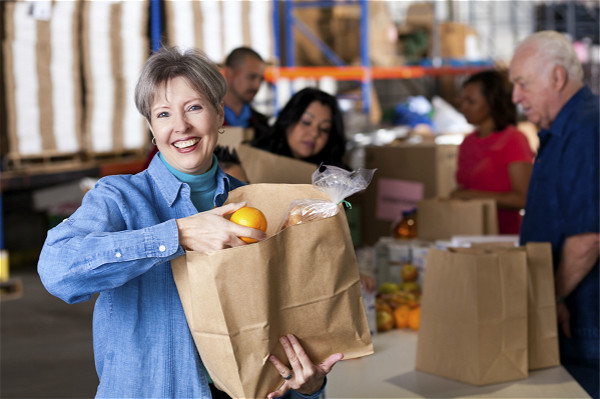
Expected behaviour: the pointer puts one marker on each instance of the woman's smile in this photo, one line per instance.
(186, 145)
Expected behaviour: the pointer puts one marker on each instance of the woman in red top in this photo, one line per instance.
(494, 161)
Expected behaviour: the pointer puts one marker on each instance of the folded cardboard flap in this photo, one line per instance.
(442, 218)
(303, 280)
(264, 167)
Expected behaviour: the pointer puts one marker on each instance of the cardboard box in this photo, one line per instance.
(234, 136)
(443, 218)
(453, 36)
(264, 167)
(405, 174)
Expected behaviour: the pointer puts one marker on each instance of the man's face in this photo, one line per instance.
(532, 89)
(245, 80)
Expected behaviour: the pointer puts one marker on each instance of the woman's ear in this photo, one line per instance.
(221, 113)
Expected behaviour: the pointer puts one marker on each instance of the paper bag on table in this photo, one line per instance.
(473, 325)
(303, 281)
(441, 218)
(542, 331)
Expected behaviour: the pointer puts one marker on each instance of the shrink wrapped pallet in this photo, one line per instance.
(115, 46)
(217, 27)
(42, 80)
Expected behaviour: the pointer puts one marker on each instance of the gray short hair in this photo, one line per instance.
(556, 49)
(168, 63)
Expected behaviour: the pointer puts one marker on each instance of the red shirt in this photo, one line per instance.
(483, 165)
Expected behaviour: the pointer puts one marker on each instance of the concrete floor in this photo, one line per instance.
(45, 344)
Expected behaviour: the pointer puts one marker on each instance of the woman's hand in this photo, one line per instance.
(304, 377)
(211, 230)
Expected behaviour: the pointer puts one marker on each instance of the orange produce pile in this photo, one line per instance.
(399, 305)
(250, 217)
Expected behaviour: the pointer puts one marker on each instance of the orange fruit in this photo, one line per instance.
(413, 318)
(250, 217)
(401, 316)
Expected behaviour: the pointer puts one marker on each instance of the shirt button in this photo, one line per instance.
(118, 255)
(162, 248)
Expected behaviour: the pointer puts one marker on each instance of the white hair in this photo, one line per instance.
(555, 49)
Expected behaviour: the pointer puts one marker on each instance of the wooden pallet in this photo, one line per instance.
(44, 161)
(11, 289)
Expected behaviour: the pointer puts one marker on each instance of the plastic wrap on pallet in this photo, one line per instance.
(217, 27)
(43, 83)
(115, 46)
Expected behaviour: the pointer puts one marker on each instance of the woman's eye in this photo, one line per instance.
(195, 108)
(324, 131)
(306, 122)
(162, 114)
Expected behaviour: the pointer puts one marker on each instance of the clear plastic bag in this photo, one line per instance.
(338, 183)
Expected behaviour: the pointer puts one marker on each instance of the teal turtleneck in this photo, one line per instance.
(202, 186)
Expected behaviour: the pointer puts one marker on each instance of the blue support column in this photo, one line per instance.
(155, 24)
(290, 59)
(364, 55)
(277, 44)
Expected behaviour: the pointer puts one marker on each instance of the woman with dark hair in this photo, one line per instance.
(494, 161)
(310, 128)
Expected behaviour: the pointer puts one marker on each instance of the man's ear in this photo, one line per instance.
(228, 73)
(559, 77)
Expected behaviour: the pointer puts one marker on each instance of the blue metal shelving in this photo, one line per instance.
(292, 22)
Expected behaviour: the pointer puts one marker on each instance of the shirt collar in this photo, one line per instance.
(170, 187)
(242, 119)
(560, 123)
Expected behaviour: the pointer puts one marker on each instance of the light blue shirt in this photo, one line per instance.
(119, 244)
(242, 120)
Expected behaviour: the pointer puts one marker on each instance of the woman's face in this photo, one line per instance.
(185, 124)
(473, 104)
(310, 134)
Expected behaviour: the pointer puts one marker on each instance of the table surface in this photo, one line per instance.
(390, 373)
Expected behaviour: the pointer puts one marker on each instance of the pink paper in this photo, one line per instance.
(395, 196)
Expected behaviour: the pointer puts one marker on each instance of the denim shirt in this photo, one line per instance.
(119, 244)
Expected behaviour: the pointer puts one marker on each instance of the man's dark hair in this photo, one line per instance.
(237, 56)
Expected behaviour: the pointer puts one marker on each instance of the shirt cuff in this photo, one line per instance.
(316, 395)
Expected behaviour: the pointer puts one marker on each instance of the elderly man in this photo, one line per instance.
(562, 201)
(244, 72)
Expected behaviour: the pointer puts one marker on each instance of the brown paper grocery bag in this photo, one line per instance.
(302, 281)
(542, 331)
(473, 325)
(441, 218)
(264, 167)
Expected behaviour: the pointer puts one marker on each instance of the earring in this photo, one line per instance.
(221, 130)
(153, 140)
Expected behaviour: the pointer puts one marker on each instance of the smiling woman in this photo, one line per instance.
(120, 242)
(184, 124)
(310, 127)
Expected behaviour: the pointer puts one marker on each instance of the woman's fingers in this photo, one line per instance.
(282, 369)
(284, 372)
(328, 363)
(228, 208)
(298, 352)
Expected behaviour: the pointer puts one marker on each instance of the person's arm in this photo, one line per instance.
(519, 174)
(579, 255)
(103, 246)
